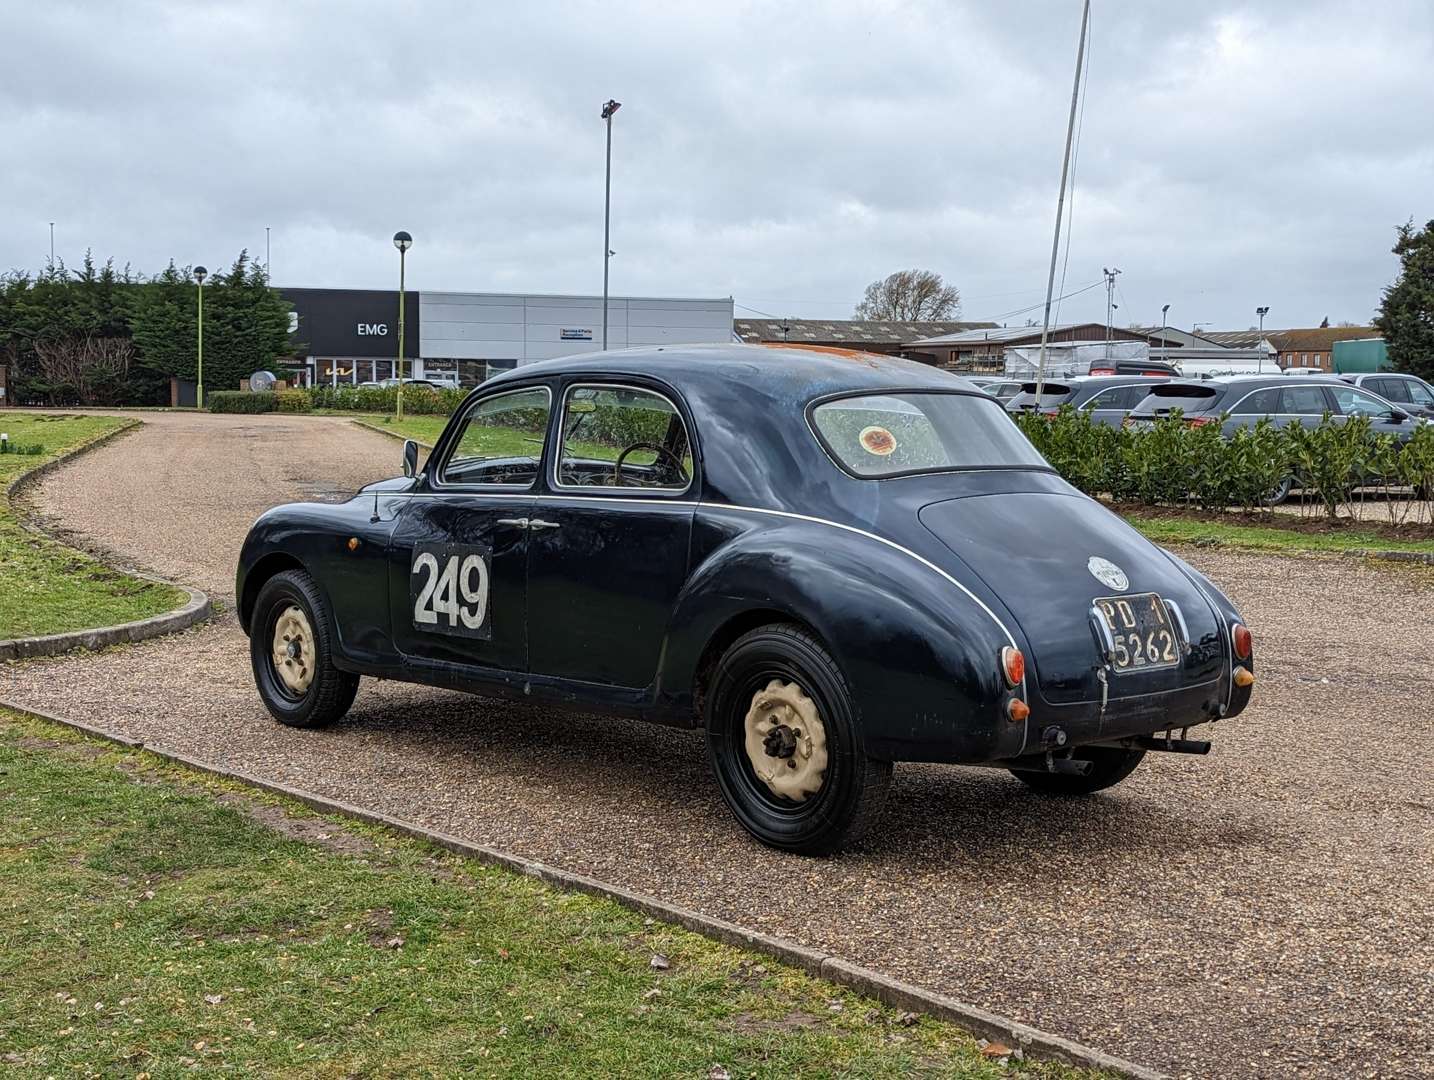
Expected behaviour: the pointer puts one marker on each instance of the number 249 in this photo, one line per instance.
(440, 597)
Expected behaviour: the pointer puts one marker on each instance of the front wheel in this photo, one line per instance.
(783, 740)
(1281, 493)
(1109, 766)
(292, 654)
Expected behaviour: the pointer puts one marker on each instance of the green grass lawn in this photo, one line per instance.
(1186, 530)
(157, 919)
(46, 587)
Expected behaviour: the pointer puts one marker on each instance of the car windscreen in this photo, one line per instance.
(875, 435)
(1167, 397)
(1052, 395)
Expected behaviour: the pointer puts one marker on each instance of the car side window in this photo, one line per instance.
(1419, 394)
(500, 440)
(1304, 400)
(1389, 389)
(1107, 399)
(622, 436)
(1260, 403)
(1354, 402)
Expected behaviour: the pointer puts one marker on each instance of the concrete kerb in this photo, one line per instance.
(1033, 1043)
(195, 609)
(388, 431)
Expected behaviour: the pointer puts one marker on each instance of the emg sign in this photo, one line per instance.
(373, 329)
(354, 322)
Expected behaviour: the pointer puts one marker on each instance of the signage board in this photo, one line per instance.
(576, 335)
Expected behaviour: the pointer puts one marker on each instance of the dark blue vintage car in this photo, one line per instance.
(831, 562)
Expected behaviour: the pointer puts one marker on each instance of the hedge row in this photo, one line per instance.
(241, 401)
(1171, 462)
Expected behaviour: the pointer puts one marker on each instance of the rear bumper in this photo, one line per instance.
(1087, 722)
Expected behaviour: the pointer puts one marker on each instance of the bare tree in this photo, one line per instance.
(92, 368)
(910, 296)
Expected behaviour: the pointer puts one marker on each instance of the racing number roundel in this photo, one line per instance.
(448, 588)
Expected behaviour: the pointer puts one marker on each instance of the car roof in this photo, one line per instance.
(787, 373)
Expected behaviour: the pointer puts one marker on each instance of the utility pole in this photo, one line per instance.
(608, 109)
(52, 245)
(1060, 206)
(267, 275)
(1110, 273)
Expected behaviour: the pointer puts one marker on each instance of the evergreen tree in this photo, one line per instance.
(1406, 314)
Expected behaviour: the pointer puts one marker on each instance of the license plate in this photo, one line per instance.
(1142, 634)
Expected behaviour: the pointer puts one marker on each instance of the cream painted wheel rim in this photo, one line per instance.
(782, 718)
(294, 650)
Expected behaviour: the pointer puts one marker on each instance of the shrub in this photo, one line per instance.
(242, 401)
(294, 401)
(1171, 462)
(418, 400)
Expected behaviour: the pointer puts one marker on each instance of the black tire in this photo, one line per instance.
(1281, 493)
(330, 691)
(854, 786)
(1109, 766)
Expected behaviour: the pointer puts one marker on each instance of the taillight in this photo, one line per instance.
(1048, 413)
(1013, 665)
(1198, 421)
(1241, 640)
(1102, 371)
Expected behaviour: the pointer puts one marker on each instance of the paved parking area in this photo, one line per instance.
(1265, 911)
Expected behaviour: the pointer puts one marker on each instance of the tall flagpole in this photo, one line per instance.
(1060, 207)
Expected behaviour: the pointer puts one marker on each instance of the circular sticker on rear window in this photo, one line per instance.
(877, 440)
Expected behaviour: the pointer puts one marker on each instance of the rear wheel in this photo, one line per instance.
(291, 652)
(1281, 493)
(1109, 766)
(784, 744)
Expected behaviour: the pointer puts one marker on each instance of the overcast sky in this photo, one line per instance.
(1232, 154)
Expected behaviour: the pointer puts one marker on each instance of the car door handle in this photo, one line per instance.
(539, 523)
(520, 523)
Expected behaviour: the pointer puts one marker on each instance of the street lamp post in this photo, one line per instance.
(1262, 312)
(608, 109)
(199, 275)
(1164, 324)
(403, 242)
(1110, 273)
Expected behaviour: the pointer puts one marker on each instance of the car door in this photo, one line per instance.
(1384, 419)
(1305, 404)
(1110, 406)
(1421, 396)
(610, 536)
(458, 557)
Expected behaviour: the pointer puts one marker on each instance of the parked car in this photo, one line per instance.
(828, 565)
(1134, 367)
(1407, 392)
(1107, 398)
(1001, 389)
(1243, 401)
(434, 383)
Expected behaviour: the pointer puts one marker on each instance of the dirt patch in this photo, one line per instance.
(747, 1024)
(318, 831)
(69, 749)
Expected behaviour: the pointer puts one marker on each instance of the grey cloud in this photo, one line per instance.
(1231, 154)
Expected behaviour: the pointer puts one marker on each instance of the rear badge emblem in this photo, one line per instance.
(1107, 573)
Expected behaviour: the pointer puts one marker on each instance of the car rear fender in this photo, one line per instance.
(919, 655)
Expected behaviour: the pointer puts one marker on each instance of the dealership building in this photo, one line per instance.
(351, 335)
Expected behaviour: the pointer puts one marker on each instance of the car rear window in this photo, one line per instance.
(1052, 394)
(876, 435)
(1167, 397)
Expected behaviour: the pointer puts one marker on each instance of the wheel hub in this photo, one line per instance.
(293, 649)
(786, 742)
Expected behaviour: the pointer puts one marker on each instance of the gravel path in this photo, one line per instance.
(1265, 911)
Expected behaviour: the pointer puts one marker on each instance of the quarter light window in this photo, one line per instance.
(880, 435)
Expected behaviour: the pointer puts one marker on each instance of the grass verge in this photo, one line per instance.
(158, 920)
(46, 587)
(1172, 529)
